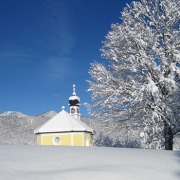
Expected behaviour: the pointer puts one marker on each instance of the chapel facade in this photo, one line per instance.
(66, 129)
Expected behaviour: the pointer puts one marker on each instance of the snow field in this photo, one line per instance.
(90, 163)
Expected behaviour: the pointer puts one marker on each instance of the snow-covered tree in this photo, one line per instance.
(141, 79)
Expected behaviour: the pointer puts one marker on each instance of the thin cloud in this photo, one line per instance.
(55, 68)
(15, 55)
(56, 95)
(14, 58)
(57, 32)
(57, 26)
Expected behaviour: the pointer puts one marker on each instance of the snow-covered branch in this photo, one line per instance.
(141, 82)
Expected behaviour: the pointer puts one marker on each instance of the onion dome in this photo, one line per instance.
(74, 100)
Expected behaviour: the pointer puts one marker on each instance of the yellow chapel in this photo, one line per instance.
(66, 129)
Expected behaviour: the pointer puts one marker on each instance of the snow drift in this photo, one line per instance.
(90, 163)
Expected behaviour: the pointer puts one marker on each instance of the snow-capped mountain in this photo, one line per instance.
(17, 128)
(12, 113)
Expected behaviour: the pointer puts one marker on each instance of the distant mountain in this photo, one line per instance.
(18, 128)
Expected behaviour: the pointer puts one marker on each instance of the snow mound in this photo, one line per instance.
(90, 163)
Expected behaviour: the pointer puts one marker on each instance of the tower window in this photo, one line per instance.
(72, 110)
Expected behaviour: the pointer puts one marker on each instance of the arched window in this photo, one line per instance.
(72, 110)
(56, 140)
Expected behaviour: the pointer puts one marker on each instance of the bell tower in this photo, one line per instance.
(74, 103)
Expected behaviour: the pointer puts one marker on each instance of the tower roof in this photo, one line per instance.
(74, 100)
(63, 122)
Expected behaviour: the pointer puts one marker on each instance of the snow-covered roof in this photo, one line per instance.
(63, 122)
(74, 98)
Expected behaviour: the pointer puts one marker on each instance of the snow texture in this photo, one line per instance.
(90, 163)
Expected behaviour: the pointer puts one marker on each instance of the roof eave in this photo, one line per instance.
(48, 132)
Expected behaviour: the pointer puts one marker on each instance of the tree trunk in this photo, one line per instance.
(168, 136)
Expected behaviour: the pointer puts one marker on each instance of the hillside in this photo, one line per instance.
(17, 128)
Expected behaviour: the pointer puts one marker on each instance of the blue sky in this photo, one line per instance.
(46, 46)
